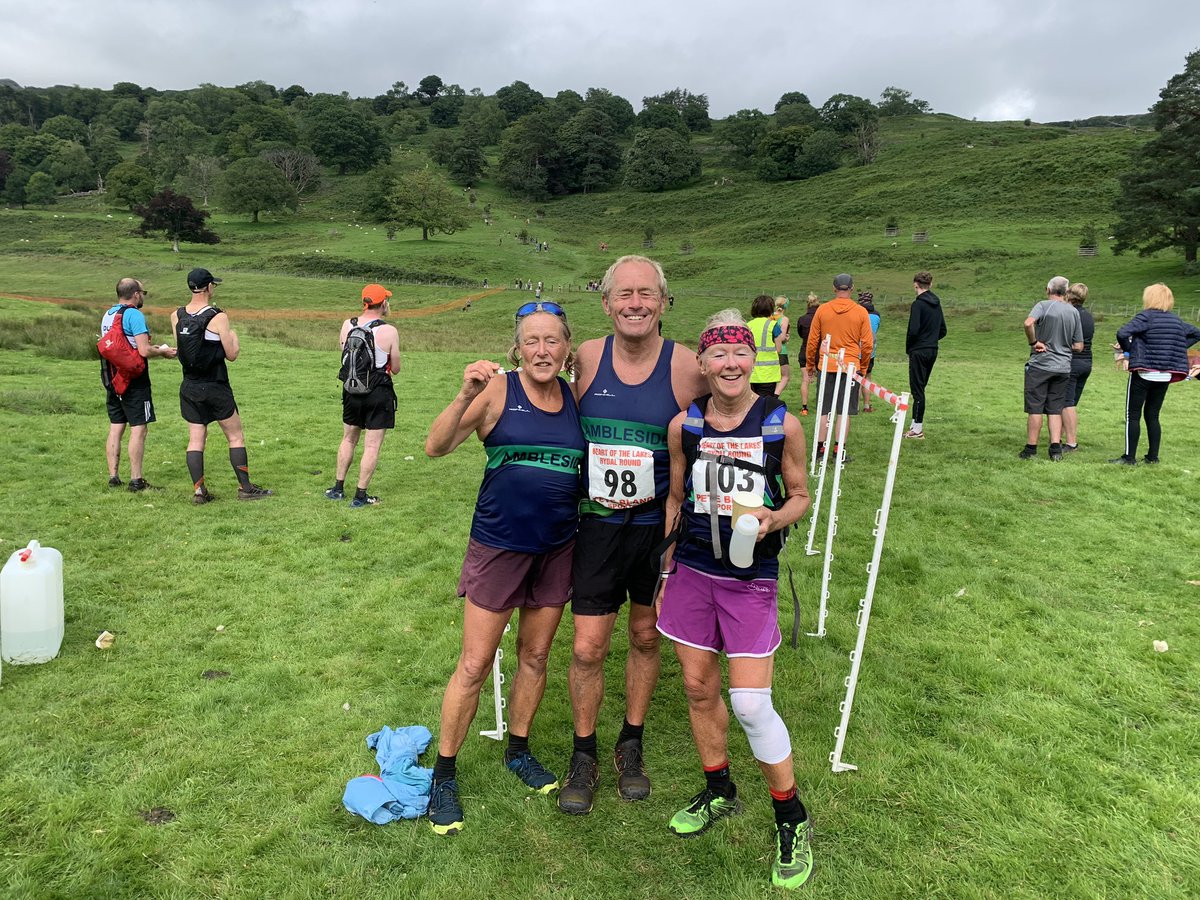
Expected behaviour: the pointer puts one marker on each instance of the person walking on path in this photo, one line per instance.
(630, 385)
(1081, 367)
(926, 326)
(522, 538)
(1054, 330)
(134, 408)
(713, 605)
(1156, 341)
(375, 411)
(205, 341)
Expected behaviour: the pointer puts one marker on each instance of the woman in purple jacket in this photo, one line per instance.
(1155, 342)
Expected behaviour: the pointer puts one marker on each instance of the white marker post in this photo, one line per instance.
(497, 734)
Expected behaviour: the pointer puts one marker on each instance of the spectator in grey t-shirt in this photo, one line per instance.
(1053, 330)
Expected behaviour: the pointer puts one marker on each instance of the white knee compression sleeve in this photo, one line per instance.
(769, 740)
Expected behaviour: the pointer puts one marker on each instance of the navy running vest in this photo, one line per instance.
(758, 441)
(202, 360)
(627, 463)
(529, 498)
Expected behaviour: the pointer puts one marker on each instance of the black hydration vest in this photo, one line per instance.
(202, 360)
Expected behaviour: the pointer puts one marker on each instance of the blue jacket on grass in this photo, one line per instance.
(401, 790)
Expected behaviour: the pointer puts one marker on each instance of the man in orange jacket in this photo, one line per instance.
(849, 329)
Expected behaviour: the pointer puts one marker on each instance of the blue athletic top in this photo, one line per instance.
(133, 322)
(627, 462)
(529, 498)
(758, 440)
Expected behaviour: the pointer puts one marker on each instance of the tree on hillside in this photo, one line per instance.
(6, 167)
(66, 127)
(518, 99)
(129, 183)
(692, 108)
(40, 189)
(125, 115)
(201, 176)
(299, 169)
(591, 157)
(796, 152)
(529, 157)
(174, 215)
(743, 130)
(662, 115)
(292, 93)
(660, 160)
(71, 168)
(252, 185)
(429, 89)
(617, 108)
(794, 108)
(341, 136)
(422, 199)
(1159, 203)
(896, 102)
(467, 161)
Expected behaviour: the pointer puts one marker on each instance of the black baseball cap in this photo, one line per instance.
(842, 282)
(199, 279)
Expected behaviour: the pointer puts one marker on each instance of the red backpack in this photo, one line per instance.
(124, 363)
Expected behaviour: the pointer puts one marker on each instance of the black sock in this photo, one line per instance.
(340, 484)
(1029, 447)
(195, 464)
(241, 465)
(587, 744)
(719, 782)
(445, 768)
(790, 809)
(630, 731)
(516, 746)
(360, 494)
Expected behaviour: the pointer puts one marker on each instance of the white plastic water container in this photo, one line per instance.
(31, 605)
(741, 543)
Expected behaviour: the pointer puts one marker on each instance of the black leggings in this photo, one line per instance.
(1143, 397)
(920, 365)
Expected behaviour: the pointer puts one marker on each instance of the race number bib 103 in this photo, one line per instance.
(730, 479)
(620, 476)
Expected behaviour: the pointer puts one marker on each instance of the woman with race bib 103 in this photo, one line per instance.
(729, 442)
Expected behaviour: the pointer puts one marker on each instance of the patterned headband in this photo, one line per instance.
(727, 334)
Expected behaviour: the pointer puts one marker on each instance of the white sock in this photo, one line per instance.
(917, 427)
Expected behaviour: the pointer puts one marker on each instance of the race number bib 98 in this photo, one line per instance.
(620, 476)
(730, 479)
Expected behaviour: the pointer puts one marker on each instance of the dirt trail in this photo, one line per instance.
(291, 314)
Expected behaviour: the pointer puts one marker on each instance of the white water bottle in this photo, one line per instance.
(741, 544)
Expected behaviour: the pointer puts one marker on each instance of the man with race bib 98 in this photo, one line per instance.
(630, 385)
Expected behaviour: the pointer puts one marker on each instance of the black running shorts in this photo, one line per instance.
(1045, 392)
(828, 400)
(373, 411)
(612, 561)
(202, 402)
(134, 407)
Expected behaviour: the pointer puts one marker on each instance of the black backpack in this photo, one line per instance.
(359, 373)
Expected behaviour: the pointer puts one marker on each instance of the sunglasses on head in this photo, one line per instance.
(538, 306)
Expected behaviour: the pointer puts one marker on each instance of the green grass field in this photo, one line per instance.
(1016, 732)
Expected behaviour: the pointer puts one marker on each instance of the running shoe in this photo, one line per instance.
(202, 496)
(804, 410)
(1070, 448)
(360, 502)
(335, 493)
(115, 481)
(526, 767)
(253, 492)
(1056, 453)
(867, 409)
(915, 435)
(575, 798)
(445, 812)
(1124, 461)
(702, 810)
(138, 484)
(793, 862)
(1150, 462)
(632, 781)
(1027, 453)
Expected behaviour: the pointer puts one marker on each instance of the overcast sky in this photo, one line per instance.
(991, 59)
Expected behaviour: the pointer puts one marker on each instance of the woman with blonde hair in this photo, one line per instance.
(780, 316)
(1155, 342)
(1081, 366)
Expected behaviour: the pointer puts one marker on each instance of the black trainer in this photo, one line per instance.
(1124, 461)
(445, 812)
(1056, 452)
(577, 793)
(1150, 462)
(632, 781)
(1027, 452)
(202, 496)
(115, 481)
(253, 492)
(138, 484)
